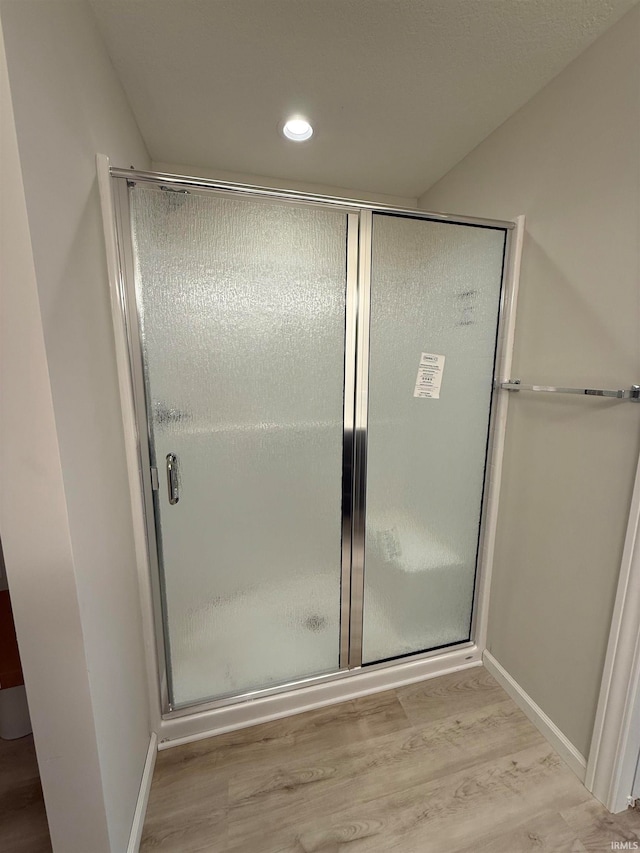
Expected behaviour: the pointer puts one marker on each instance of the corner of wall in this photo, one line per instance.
(35, 532)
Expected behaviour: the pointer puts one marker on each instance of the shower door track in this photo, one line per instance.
(183, 181)
(410, 667)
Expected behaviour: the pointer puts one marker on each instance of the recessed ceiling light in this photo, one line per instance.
(298, 129)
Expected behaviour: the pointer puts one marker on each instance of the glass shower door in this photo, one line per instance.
(435, 295)
(241, 306)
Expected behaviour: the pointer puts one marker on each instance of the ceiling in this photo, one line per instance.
(398, 91)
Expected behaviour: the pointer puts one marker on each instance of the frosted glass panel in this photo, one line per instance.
(435, 289)
(242, 306)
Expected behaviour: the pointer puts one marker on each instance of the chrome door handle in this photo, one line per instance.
(172, 478)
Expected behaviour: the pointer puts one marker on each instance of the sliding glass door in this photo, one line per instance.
(241, 307)
(314, 385)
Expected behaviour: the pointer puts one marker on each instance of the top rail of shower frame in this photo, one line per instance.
(297, 195)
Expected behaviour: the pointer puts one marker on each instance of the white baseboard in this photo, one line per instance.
(562, 745)
(143, 795)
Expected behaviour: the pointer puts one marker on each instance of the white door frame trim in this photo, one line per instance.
(615, 744)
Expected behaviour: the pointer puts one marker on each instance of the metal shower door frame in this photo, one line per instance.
(356, 367)
(130, 316)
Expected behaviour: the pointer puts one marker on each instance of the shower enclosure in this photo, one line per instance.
(313, 382)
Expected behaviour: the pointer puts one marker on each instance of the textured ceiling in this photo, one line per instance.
(398, 91)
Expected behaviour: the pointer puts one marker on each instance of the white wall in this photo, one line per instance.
(570, 161)
(35, 532)
(69, 105)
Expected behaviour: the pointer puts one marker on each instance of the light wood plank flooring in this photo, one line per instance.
(449, 764)
(23, 822)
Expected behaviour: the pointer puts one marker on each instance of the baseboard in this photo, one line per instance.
(143, 795)
(562, 745)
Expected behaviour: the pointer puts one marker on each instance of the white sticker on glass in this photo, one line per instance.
(429, 377)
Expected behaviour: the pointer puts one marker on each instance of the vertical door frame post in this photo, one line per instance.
(348, 448)
(360, 460)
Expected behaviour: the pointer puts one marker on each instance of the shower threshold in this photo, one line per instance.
(212, 718)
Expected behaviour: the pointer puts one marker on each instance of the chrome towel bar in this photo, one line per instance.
(632, 394)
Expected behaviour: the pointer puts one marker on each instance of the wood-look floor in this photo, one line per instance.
(23, 822)
(444, 766)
